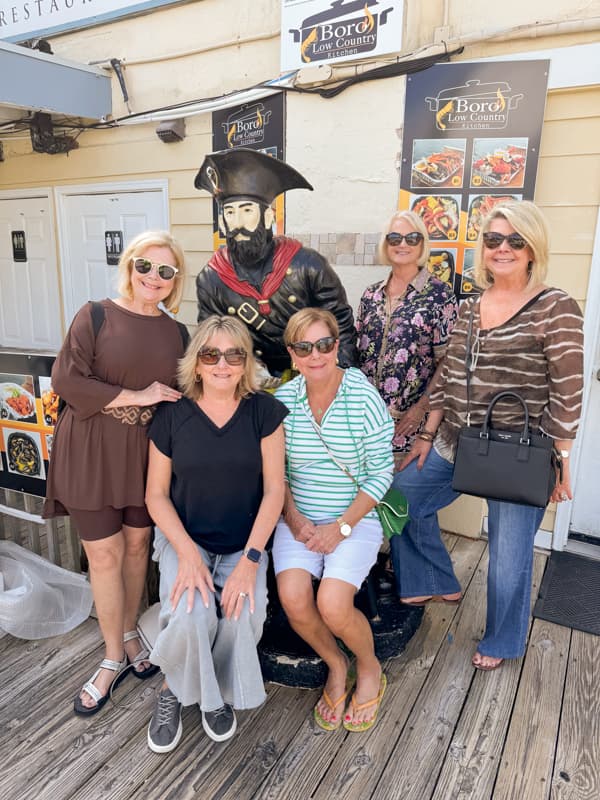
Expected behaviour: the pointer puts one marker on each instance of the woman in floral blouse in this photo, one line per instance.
(403, 325)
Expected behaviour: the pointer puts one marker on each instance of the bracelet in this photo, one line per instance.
(426, 436)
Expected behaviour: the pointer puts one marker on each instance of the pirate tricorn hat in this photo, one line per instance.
(247, 174)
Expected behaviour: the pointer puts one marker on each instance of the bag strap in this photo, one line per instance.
(97, 313)
(335, 460)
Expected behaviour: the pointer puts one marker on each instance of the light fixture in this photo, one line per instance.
(171, 130)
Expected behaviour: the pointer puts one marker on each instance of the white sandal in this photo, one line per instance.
(142, 656)
(120, 667)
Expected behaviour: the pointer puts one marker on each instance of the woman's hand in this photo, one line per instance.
(410, 420)
(238, 588)
(326, 538)
(156, 393)
(192, 574)
(420, 450)
(302, 528)
(562, 490)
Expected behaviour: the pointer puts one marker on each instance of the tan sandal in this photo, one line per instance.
(368, 723)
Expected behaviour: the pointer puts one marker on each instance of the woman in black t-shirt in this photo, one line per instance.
(215, 491)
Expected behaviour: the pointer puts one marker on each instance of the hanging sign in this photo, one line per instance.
(471, 139)
(18, 246)
(318, 31)
(258, 126)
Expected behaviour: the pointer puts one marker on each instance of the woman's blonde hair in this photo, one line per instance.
(417, 223)
(527, 220)
(137, 247)
(210, 327)
(301, 321)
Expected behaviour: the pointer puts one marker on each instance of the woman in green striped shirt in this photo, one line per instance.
(339, 466)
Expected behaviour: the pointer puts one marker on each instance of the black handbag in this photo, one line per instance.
(513, 466)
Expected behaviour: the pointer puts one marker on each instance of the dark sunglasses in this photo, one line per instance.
(411, 239)
(304, 349)
(493, 240)
(212, 356)
(144, 266)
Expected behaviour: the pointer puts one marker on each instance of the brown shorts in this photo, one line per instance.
(94, 525)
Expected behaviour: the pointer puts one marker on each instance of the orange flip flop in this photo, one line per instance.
(368, 723)
(327, 724)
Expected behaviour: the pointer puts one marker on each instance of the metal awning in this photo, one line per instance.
(34, 81)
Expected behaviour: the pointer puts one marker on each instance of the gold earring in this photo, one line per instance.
(294, 366)
(198, 378)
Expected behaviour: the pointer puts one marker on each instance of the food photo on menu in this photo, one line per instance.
(23, 452)
(442, 264)
(499, 162)
(440, 214)
(467, 282)
(438, 164)
(17, 400)
(480, 205)
(50, 401)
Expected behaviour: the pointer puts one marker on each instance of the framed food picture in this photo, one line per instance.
(499, 163)
(17, 399)
(437, 164)
(23, 450)
(480, 205)
(442, 264)
(440, 214)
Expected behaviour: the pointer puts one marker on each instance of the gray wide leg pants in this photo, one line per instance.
(205, 658)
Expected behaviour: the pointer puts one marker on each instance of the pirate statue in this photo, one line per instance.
(257, 277)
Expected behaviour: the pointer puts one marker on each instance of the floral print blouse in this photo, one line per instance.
(398, 352)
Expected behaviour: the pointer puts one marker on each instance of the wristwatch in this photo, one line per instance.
(345, 529)
(252, 554)
(563, 453)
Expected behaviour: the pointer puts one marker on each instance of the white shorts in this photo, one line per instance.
(351, 561)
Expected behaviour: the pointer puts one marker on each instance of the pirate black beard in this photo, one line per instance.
(247, 253)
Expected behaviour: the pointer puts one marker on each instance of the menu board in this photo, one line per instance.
(471, 140)
(257, 126)
(28, 413)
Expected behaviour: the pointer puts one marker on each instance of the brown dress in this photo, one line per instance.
(99, 459)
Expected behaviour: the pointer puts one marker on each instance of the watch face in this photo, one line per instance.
(252, 554)
(345, 529)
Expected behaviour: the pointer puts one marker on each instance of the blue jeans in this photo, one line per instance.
(423, 567)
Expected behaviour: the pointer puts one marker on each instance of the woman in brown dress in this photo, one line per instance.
(111, 376)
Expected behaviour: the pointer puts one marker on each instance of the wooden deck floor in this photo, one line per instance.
(528, 731)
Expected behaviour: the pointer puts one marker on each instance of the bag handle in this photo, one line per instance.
(488, 416)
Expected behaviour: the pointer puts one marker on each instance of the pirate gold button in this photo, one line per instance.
(231, 310)
(288, 271)
(292, 298)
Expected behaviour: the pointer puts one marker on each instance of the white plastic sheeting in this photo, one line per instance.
(37, 598)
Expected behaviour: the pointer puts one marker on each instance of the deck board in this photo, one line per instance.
(529, 731)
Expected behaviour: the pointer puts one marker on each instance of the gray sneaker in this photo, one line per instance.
(164, 730)
(219, 724)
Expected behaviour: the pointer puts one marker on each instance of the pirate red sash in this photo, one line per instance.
(285, 250)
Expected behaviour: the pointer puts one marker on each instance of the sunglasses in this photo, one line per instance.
(212, 356)
(304, 349)
(411, 239)
(493, 240)
(144, 266)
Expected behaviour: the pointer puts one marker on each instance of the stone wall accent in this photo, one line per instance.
(342, 249)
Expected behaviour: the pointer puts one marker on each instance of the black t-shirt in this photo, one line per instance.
(216, 483)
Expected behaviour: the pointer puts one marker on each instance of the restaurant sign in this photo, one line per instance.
(25, 19)
(318, 31)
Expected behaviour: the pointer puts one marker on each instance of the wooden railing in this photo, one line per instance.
(21, 521)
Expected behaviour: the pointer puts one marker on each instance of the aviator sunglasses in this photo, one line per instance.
(212, 355)
(411, 239)
(144, 266)
(304, 349)
(493, 240)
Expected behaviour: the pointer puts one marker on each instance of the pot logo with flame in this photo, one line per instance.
(246, 126)
(474, 106)
(339, 31)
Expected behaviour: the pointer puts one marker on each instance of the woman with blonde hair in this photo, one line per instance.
(215, 491)
(118, 361)
(524, 337)
(403, 326)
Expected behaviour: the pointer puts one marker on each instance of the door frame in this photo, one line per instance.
(591, 333)
(62, 193)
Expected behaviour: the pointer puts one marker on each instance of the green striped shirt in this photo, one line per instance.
(358, 430)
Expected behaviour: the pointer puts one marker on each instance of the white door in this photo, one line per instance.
(85, 220)
(29, 296)
(585, 517)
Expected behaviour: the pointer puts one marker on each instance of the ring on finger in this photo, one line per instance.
(243, 594)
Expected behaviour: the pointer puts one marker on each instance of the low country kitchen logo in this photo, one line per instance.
(343, 30)
(246, 126)
(474, 106)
